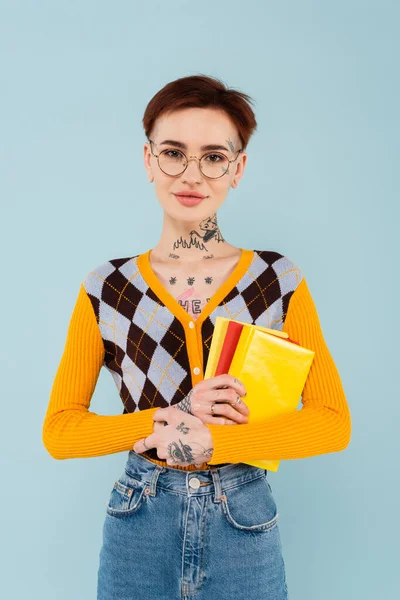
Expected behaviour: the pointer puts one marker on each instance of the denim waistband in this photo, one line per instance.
(201, 481)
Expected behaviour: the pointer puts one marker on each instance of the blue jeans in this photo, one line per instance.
(191, 535)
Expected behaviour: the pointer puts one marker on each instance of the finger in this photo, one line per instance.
(159, 425)
(151, 440)
(218, 420)
(225, 410)
(163, 414)
(171, 415)
(229, 396)
(227, 380)
(139, 447)
(168, 414)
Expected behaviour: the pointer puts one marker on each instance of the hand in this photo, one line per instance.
(224, 392)
(183, 441)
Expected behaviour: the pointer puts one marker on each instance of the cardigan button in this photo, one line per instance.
(196, 371)
(191, 324)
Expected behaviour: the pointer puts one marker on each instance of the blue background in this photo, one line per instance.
(321, 186)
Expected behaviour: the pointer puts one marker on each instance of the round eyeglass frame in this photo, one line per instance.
(190, 158)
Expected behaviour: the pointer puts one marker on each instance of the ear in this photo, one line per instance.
(147, 162)
(239, 171)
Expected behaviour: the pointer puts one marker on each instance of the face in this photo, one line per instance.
(194, 127)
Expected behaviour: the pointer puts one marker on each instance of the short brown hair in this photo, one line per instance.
(202, 91)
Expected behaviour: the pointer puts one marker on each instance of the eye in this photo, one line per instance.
(218, 156)
(170, 153)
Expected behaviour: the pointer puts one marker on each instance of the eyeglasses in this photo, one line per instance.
(213, 165)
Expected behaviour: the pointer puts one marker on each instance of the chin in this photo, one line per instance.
(185, 213)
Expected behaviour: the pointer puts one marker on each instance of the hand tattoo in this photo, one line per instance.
(183, 454)
(186, 404)
(186, 454)
(181, 427)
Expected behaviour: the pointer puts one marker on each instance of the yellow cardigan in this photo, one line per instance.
(71, 430)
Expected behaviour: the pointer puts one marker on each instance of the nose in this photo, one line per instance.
(192, 171)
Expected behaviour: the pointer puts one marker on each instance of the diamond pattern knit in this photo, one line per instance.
(156, 353)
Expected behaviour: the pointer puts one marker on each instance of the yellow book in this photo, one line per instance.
(272, 369)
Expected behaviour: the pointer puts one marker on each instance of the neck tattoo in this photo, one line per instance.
(209, 230)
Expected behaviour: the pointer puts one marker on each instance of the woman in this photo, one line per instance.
(187, 518)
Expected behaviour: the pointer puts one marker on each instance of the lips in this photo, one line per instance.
(190, 194)
(189, 199)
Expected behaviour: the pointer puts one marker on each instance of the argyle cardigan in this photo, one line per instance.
(156, 352)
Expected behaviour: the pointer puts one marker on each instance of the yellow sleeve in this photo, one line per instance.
(322, 425)
(70, 430)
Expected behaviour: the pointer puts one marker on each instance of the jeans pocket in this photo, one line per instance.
(127, 496)
(250, 506)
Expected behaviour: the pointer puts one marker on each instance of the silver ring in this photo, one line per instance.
(212, 408)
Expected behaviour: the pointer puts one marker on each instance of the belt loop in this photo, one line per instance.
(217, 483)
(154, 477)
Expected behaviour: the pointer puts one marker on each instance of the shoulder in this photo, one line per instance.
(114, 272)
(278, 268)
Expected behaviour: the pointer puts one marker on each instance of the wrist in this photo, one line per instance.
(185, 405)
(183, 408)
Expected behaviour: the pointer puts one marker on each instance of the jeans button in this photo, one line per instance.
(194, 483)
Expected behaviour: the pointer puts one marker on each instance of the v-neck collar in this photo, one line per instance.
(146, 270)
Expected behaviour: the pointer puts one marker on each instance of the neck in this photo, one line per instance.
(186, 241)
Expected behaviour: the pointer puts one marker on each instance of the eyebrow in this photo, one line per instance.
(184, 146)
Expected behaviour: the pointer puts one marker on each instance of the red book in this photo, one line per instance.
(233, 332)
(231, 339)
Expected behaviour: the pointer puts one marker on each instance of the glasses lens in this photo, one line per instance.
(214, 165)
(174, 162)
